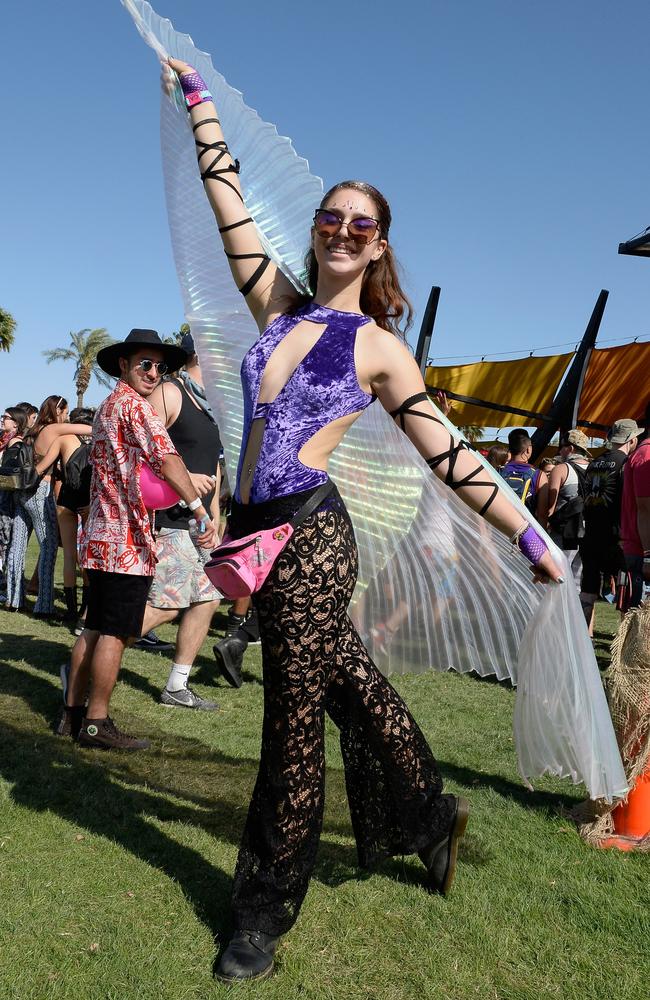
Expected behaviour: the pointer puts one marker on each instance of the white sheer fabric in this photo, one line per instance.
(455, 593)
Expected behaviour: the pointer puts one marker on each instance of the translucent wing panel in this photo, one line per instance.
(438, 588)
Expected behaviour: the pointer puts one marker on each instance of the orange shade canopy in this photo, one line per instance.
(617, 385)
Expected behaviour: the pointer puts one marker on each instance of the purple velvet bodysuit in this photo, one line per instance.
(323, 388)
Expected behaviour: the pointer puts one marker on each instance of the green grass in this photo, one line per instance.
(115, 870)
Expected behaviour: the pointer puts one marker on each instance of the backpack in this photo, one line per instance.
(78, 469)
(523, 482)
(17, 469)
(568, 523)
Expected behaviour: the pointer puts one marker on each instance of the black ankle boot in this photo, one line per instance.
(70, 594)
(439, 858)
(248, 956)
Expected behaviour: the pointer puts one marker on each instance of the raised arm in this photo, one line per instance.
(401, 391)
(265, 289)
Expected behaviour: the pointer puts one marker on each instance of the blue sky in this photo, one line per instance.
(510, 139)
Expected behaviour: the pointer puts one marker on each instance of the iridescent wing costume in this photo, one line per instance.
(458, 595)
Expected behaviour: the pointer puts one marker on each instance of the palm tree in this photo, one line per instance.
(85, 345)
(472, 432)
(176, 336)
(7, 327)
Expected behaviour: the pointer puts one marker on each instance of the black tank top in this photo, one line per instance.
(197, 440)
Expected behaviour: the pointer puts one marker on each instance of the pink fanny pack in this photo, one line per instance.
(239, 566)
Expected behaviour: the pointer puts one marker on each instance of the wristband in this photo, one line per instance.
(531, 545)
(198, 97)
(195, 504)
(194, 89)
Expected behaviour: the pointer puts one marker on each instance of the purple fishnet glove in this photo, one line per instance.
(192, 83)
(532, 546)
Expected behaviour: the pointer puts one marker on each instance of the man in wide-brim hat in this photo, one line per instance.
(118, 547)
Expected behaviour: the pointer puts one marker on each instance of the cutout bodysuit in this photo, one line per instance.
(322, 388)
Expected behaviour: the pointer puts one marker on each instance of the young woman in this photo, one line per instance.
(71, 505)
(36, 509)
(14, 427)
(318, 364)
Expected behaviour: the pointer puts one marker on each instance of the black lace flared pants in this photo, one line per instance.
(314, 662)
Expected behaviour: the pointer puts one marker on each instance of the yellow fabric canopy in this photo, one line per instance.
(525, 383)
(617, 385)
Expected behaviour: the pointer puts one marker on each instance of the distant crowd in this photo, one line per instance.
(595, 508)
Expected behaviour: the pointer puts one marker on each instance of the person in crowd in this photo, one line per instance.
(497, 456)
(319, 363)
(14, 428)
(530, 484)
(566, 492)
(600, 549)
(635, 517)
(31, 412)
(546, 465)
(242, 631)
(36, 508)
(118, 548)
(180, 583)
(71, 452)
(9, 429)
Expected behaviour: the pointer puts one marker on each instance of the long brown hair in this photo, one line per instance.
(382, 296)
(48, 414)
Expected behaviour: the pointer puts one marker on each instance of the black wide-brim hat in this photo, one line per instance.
(108, 357)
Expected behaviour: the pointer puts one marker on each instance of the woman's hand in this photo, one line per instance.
(442, 402)
(547, 570)
(169, 73)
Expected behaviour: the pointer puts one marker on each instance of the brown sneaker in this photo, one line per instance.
(103, 734)
(71, 721)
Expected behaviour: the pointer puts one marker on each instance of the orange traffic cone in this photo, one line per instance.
(632, 818)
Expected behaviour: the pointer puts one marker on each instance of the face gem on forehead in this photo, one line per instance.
(352, 206)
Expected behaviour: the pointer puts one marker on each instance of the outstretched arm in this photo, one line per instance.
(266, 290)
(402, 392)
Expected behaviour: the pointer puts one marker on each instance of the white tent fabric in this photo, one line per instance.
(457, 595)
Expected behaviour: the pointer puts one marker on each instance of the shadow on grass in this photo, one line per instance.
(179, 780)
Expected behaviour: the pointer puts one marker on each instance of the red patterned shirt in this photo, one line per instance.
(126, 432)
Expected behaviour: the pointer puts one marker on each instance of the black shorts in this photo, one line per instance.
(73, 499)
(116, 603)
(603, 558)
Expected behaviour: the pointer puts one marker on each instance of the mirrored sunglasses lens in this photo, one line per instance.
(161, 366)
(362, 229)
(327, 224)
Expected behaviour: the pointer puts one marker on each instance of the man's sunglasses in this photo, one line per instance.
(161, 366)
(362, 229)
